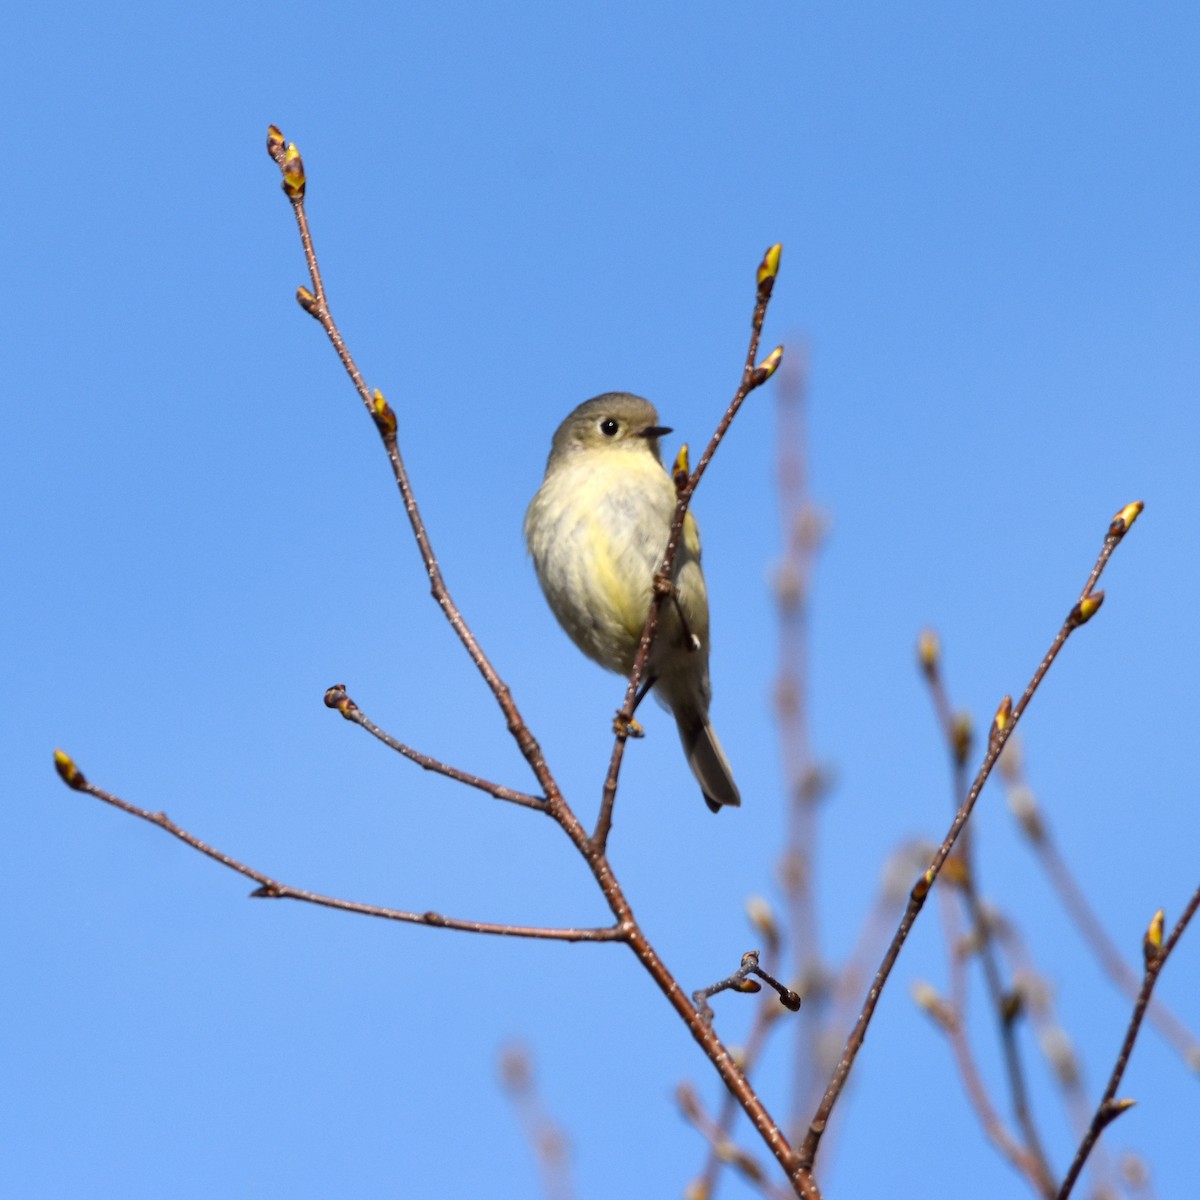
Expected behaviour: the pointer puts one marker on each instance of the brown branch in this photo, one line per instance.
(1054, 1044)
(1007, 718)
(741, 981)
(1006, 1008)
(1033, 824)
(1032, 1160)
(287, 157)
(950, 1021)
(803, 529)
(752, 377)
(272, 889)
(845, 987)
(766, 1016)
(546, 1139)
(722, 1148)
(316, 304)
(1156, 953)
(336, 698)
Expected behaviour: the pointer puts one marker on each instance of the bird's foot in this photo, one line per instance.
(624, 726)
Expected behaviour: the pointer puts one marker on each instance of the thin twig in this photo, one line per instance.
(1156, 954)
(753, 376)
(950, 1021)
(1032, 1159)
(287, 157)
(741, 981)
(545, 1137)
(721, 1147)
(316, 304)
(802, 528)
(1054, 1044)
(1006, 721)
(1006, 1012)
(272, 889)
(957, 734)
(766, 1017)
(1033, 824)
(336, 698)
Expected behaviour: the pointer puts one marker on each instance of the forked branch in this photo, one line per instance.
(1155, 953)
(592, 847)
(753, 376)
(1005, 721)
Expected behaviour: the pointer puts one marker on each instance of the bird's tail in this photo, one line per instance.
(708, 762)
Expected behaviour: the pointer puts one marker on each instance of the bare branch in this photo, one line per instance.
(314, 302)
(1032, 1160)
(336, 698)
(545, 1137)
(1024, 806)
(741, 981)
(1007, 717)
(946, 1018)
(805, 784)
(752, 377)
(722, 1148)
(766, 1016)
(272, 889)
(1156, 953)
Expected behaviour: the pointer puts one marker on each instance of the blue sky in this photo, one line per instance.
(992, 245)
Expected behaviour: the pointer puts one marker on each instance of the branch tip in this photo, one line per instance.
(68, 772)
(1125, 518)
(1024, 806)
(791, 1000)
(929, 653)
(336, 698)
(1152, 943)
(275, 142)
(930, 1002)
(768, 269)
(762, 917)
(292, 166)
(962, 734)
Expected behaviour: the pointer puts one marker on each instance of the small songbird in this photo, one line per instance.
(597, 530)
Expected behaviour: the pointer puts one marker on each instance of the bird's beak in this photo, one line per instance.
(655, 431)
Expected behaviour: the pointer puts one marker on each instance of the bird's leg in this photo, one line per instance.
(643, 691)
(664, 587)
(627, 725)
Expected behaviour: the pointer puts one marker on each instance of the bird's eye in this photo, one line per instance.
(609, 427)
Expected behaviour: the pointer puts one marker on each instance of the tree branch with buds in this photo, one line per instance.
(1005, 721)
(547, 797)
(1030, 1157)
(592, 847)
(1155, 953)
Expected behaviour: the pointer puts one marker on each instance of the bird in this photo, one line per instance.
(597, 530)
